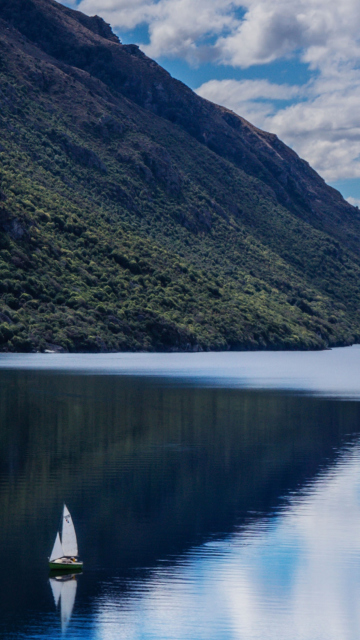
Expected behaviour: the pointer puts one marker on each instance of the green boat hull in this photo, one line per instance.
(68, 567)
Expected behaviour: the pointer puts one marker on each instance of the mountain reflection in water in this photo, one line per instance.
(217, 513)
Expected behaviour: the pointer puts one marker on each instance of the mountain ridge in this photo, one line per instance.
(165, 222)
(149, 92)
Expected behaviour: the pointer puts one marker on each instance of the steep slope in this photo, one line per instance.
(136, 215)
(80, 41)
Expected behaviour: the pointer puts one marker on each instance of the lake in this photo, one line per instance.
(216, 496)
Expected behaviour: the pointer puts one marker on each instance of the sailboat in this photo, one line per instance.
(64, 556)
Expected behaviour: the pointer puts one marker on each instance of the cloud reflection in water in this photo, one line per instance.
(295, 575)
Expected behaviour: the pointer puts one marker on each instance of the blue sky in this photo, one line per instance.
(292, 68)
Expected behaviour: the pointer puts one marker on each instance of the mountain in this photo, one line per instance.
(135, 215)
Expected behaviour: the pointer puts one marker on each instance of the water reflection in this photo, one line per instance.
(334, 372)
(295, 576)
(64, 591)
(178, 494)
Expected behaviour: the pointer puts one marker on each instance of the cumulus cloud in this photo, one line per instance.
(176, 27)
(325, 129)
(255, 100)
(321, 120)
(354, 201)
(238, 92)
(322, 125)
(240, 32)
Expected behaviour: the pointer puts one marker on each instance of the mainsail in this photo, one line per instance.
(68, 535)
(57, 551)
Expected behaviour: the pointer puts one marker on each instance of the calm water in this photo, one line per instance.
(215, 496)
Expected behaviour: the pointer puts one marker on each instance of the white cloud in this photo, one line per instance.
(267, 29)
(238, 92)
(325, 129)
(255, 100)
(323, 125)
(354, 201)
(176, 27)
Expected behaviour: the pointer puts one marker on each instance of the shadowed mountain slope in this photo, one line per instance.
(136, 215)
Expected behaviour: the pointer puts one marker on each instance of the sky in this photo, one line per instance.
(292, 68)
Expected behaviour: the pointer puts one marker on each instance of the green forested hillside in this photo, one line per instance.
(122, 228)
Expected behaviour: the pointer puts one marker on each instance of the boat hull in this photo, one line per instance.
(65, 565)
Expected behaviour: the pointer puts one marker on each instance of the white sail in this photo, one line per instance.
(57, 551)
(68, 593)
(68, 536)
